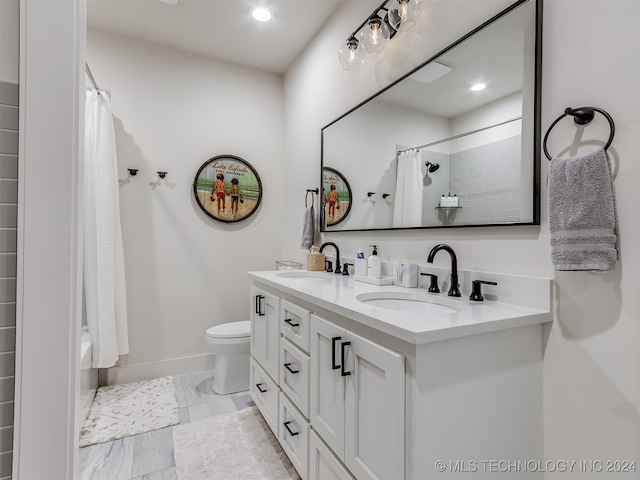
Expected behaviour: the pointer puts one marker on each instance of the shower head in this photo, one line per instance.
(432, 166)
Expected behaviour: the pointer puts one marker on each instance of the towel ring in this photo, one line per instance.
(581, 116)
(306, 197)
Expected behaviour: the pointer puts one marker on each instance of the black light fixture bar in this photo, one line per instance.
(381, 7)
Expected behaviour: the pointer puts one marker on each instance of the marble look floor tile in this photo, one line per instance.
(211, 409)
(198, 389)
(242, 400)
(183, 413)
(108, 461)
(152, 451)
(167, 474)
(177, 382)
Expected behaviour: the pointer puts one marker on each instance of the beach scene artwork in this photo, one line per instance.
(227, 188)
(336, 196)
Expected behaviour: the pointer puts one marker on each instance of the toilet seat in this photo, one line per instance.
(230, 330)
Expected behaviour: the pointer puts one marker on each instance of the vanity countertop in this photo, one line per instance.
(338, 293)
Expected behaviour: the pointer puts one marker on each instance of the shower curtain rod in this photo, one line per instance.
(460, 135)
(90, 75)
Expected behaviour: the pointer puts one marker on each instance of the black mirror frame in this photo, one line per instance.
(537, 133)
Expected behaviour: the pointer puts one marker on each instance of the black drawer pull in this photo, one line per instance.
(260, 388)
(290, 322)
(343, 372)
(333, 353)
(259, 305)
(288, 367)
(292, 433)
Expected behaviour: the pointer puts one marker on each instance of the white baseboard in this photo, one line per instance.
(147, 371)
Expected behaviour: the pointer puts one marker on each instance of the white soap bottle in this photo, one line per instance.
(361, 264)
(454, 202)
(375, 264)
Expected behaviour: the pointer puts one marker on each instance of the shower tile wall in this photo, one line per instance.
(8, 256)
(487, 180)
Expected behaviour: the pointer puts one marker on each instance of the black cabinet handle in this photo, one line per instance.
(286, 425)
(290, 322)
(288, 367)
(258, 305)
(343, 372)
(259, 388)
(333, 353)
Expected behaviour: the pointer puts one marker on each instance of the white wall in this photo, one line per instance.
(173, 111)
(591, 357)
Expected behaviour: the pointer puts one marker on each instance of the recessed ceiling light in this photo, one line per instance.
(478, 86)
(261, 14)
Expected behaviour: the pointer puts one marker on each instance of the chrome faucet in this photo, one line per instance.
(337, 270)
(453, 289)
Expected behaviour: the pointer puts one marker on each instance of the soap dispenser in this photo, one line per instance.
(375, 264)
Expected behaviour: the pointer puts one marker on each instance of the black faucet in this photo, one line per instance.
(453, 290)
(337, 270)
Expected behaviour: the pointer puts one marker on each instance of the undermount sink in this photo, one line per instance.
(304, 275)
(411, 302)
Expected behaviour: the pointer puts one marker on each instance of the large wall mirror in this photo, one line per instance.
(465, 123)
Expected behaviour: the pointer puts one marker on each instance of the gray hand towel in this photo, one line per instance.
(582, 214)
(308, 229)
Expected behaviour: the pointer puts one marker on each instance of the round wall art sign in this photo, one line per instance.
(227, 188)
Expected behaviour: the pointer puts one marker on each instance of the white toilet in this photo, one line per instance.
(230, 343)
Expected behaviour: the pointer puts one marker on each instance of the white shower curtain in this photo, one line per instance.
(407, 210)
(104, 275)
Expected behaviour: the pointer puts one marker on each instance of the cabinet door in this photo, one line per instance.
(265, 330)
(323, 465)
(326, 405)
(374, 410)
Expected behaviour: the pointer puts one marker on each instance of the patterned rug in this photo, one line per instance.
(122, 410)
(235, 445)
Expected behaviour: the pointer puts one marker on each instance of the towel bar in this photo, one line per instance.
(581, 116)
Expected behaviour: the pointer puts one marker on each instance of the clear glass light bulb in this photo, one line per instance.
(352, 55)
(404, 14)
(375, 35)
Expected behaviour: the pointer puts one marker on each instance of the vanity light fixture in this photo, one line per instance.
(478, 86)
(373, 34)
(261, 14)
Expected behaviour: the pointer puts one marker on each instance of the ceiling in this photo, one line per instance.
(221, 29)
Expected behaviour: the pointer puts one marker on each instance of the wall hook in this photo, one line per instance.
(370, 193)
(385, 195)
(162, 174)
(133, 171)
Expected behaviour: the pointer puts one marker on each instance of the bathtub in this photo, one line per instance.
(88, 376)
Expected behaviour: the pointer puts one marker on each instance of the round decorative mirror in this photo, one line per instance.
(227, 188)
(336, 196)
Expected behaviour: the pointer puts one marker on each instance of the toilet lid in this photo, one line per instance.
(230, 330)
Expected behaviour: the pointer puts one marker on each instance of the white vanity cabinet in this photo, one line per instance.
(357, 400)
(400, 395)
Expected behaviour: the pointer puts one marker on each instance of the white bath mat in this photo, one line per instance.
(235, 445)
(122, 410)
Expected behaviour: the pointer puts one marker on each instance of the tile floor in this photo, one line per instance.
(149, 456)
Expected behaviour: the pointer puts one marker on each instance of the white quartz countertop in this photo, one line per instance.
(460, 317)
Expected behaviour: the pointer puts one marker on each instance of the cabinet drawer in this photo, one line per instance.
(265, 394)
(323, 464)
(293, 434)
(295, 323)
(294, 375)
